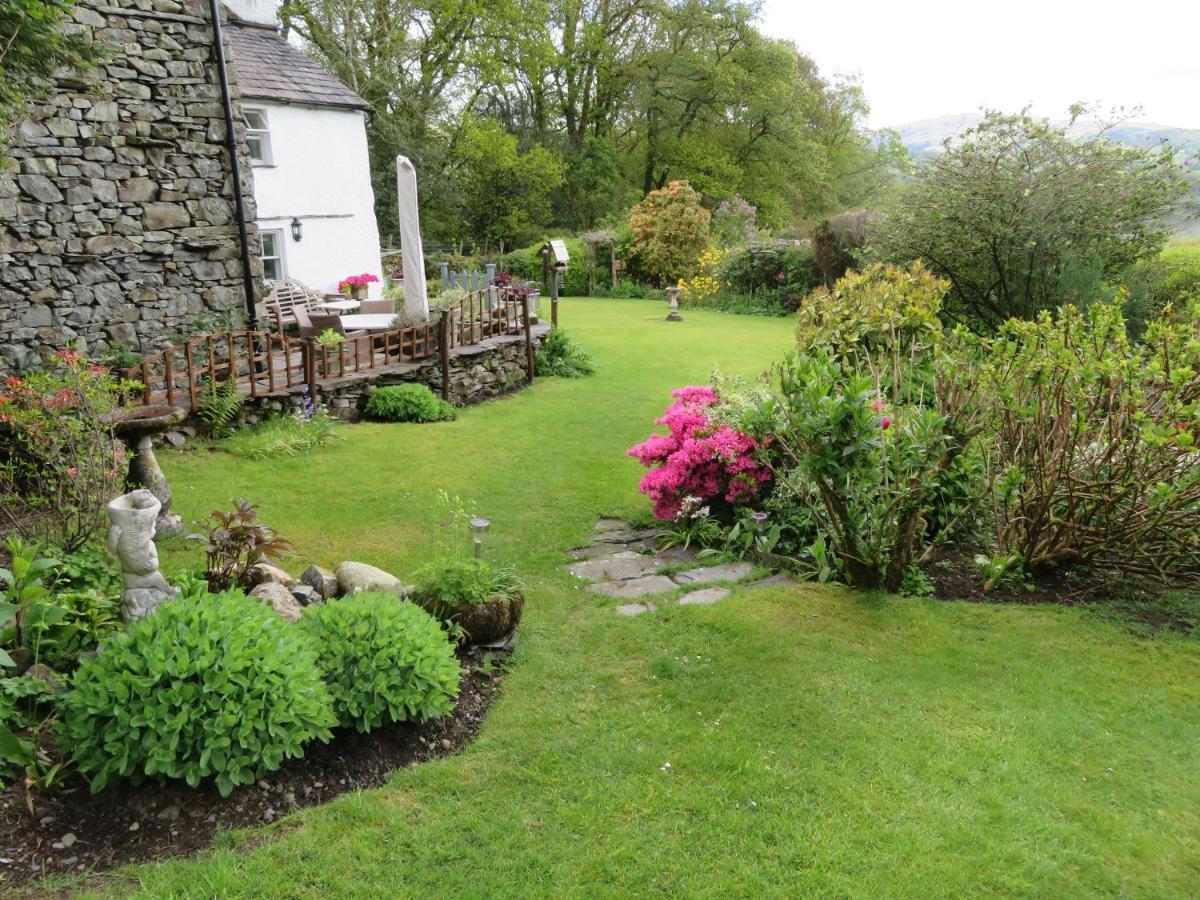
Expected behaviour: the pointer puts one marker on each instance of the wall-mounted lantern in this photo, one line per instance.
(297, 230)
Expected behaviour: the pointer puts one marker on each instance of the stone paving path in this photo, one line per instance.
(624, 562)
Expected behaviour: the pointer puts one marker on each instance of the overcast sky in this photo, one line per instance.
(924, 58)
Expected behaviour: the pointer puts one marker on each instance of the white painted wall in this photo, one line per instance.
(259, 11)
(320, 174)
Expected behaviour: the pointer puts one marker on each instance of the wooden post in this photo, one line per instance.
(553, 300)
(309, 356)
(529, 360)
(444, 347)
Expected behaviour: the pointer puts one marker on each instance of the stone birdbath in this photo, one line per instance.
(137, 428)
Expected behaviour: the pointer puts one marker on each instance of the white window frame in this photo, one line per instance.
(260, 133)
(279, 256)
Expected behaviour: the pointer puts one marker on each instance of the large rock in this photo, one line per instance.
(322, 581)
(46, 676)
(265, 573)
(357, 578)
(279, 599)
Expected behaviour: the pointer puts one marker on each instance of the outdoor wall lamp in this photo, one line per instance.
(479, 528)
(297, 230)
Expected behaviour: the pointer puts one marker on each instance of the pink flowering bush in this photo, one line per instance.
(698, 457)
(59, 462)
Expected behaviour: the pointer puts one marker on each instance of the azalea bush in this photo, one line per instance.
(705, 285)
(699, 457)
(60, 462)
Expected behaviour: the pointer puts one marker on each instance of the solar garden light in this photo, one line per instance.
(673, 297)
(479, 527)
(760, 520)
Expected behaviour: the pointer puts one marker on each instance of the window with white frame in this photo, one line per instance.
(258, 135)
(272, 256)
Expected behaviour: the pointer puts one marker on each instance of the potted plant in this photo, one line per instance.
(355, 286)
(331, 338)
(482, 600)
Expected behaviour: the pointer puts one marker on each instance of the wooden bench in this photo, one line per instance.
(285, 296)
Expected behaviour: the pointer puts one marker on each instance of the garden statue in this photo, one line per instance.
(137, 428)
(131, 540)
(673, 297)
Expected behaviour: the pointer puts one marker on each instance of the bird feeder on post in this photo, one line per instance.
(554, 263)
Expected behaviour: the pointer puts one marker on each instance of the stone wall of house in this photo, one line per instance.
(117, 224)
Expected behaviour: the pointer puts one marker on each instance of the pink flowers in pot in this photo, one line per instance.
(698, 457)
(350, 282)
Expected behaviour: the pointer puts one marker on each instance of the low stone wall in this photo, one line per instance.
(477, 373)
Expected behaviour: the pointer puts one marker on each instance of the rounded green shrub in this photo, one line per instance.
(210, 685)
(384, 660)
(407, 403)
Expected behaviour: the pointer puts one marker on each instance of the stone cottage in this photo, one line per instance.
(118, 226)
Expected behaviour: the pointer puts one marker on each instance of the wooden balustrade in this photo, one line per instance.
(263, 363)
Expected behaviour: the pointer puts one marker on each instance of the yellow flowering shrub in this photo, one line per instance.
(706, 283)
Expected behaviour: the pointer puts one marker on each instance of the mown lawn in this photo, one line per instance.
(819, 741)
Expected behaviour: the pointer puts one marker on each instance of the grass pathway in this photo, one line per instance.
(786, 741)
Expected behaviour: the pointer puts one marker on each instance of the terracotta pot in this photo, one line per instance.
(358, 292)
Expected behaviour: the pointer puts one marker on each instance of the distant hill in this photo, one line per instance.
(925, 137)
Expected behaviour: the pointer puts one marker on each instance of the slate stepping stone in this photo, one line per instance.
(615, 567)
(593, 550)
(633, 609)
(634, 587)
(704, 597)
(725, 572)
(678, 554)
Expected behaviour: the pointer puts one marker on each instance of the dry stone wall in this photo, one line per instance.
(117, 223)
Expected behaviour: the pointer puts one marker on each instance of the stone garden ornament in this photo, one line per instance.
(131, 540)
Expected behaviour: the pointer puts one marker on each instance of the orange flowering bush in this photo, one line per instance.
(59, 461)
(670, 230)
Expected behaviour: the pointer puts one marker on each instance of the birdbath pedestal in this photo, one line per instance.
(673, 299)
(137, 429)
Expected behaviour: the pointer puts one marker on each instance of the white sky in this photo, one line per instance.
(924, 58)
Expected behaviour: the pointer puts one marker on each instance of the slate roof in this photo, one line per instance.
(269, 68)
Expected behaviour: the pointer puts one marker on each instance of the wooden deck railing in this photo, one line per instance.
(263, 363)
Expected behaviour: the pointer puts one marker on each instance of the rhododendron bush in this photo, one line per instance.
(699, 458)
(59, 462)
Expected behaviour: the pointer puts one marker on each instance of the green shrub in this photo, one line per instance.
(217, 686)
(447, 583)
(407, 403)
(1095, 456)
(669, 232)
(283, 436)
(219, 406)
(526, 264)
(384, 660)
(563, 357)
(775, 277)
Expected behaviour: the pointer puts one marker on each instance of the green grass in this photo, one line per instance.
(820, 742)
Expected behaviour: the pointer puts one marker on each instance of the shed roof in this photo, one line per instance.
(269, 68)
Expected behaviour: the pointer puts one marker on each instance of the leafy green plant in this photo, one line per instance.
(915, 583)
(752, 533)
(383, 659)
(449, 582)
(563, 357)
(88, 568)
(999, 568)
(283, 436)
(235, 542)
(27, 747)
(217, 686)
(26, 602)
(329, 337)
(694, 524)
(219, 406)
(407, 403)
(669, 230)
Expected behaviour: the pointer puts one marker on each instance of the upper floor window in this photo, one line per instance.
(258, 135)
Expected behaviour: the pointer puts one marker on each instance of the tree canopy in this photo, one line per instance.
(625, 96)
(1017, 212)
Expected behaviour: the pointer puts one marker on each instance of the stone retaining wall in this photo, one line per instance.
(117, 224)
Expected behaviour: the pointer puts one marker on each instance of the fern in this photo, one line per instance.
(221, 404)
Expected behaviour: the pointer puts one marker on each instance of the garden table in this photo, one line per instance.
(369, 322)
(340, 306)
